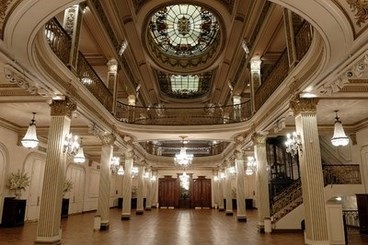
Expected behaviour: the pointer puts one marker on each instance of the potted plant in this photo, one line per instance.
(17, 182)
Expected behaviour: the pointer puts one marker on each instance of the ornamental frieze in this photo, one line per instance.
(360, 7)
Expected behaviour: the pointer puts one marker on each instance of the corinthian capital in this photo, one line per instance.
(63, 107)
(306, 105)
(107, 138)
(259, 138)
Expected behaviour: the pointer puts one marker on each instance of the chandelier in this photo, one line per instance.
(183, 159)
(251, 166)
(339, 137)
(184, 180)
(71, 144)
(115, 165)
(30, 139)
(79, 157)
(293, 144)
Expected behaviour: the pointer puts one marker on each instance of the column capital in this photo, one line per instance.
(63, 107)
(112, 66)
(129, 155)
(259, 138)
(238, 155)
(107, 138)
(306, 105)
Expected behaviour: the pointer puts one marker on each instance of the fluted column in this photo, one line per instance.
(148, 183)
(127, 186)
(227, 190)
(221, 191)
(140, 180)
(263, 199)
(240, 187)
(154, 190)
(103, 205)
(215, 184)
(311, 170)
(48, 231)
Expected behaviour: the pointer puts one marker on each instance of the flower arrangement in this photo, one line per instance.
(67, 186)
(18, 181)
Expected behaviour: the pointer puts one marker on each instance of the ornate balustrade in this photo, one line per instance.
(60, 43)
(341, 174)
(159, 115)
(292, 194)
(303, 40)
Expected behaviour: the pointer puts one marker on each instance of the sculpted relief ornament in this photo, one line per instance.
(361, 9)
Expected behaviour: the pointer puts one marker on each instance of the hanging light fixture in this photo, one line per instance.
(251, 166)
(184, 180)
(339, 137)
(86, 79)
(183, 159)
(135, 171)
(121, 170)
(293, 144)
(79, 157)
(115, 165)
(71, 144)
(30, 139)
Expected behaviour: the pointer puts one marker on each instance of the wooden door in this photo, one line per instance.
(168, 192)
(201, 192)
(362, 203)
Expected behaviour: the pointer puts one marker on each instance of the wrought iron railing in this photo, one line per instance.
(60, 43)
(341, 174)
(159, 115)
(303, 40)
(287, 197)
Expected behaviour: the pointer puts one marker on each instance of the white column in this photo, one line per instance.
(227, 190)
(240, 187)
(148, 183)
(221, 191)
(127, 186)
(103, 207)
(154, 190)
(263, 199)
(48, 230)
(215, 187)
(140, 179)
(311, 171)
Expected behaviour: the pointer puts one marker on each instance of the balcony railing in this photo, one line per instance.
(338, 174)
(60, 43)
(159, 115)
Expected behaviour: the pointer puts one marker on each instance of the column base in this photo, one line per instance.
(307, 241)
(125, 217)
(261, 229)
(48, 240)
(221, 209)
(104, 226)
(148, 209)
(229, 212)
(242, 218)
(139, 212)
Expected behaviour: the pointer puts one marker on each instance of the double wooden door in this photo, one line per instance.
(201, 192)
(168, 192)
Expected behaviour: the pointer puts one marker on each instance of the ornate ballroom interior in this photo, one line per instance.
(223, 104)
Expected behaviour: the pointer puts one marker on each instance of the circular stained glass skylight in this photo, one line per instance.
(183, 30)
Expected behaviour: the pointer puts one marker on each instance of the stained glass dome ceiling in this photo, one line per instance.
(183, 35)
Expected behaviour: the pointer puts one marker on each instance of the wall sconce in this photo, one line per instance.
(222, 175)
(215, 178)
(115, 165)
(121, 170)
(251, 166)
(134, 171)
(339, 137)
(71, 144)
(293, 144)
(153, 178)
(30, 139)
(232, 170)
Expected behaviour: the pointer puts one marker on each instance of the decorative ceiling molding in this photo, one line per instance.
(360, 7)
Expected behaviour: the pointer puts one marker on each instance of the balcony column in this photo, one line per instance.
(48, 231)
(263, 199)
(154, 189)
(311, 170)
(148, 183)
(103, 205)
(290, 37)
(255, 80)
(127, 186)
(240, 187)
(228, 191)
(221, 185)
(140, 180)
(112, 78)
(72, 25)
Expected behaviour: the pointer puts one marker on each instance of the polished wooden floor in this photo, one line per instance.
(163, 227)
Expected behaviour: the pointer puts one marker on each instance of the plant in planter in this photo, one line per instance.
(17, 182)
(67, 186)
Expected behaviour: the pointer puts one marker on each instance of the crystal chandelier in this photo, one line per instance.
(183, 159)
(71, 144)
(184, 181)
(251, 166)
(339, 137)
(293, 144)
(115, 165)
(30, 139)
(79, 157)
